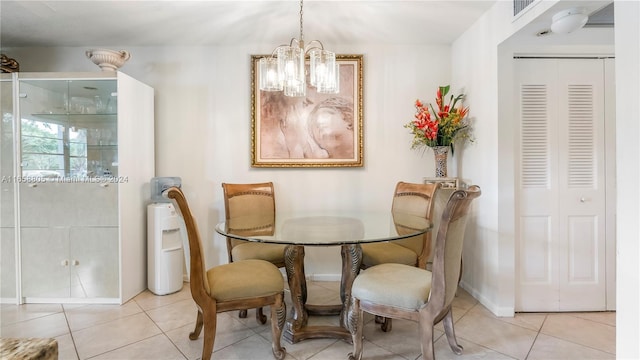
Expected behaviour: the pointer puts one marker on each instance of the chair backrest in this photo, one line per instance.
(415, 199)
(448, 250)
(249, 209)
(200, 290)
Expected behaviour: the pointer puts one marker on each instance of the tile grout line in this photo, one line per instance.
(161, 331)
(536, 338)
(73, 340)
(125, 345)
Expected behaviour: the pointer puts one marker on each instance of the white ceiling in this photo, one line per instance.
(215, 22)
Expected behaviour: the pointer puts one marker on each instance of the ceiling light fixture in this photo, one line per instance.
(570, 20)
(285, 70)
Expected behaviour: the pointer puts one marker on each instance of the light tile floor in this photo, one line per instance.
(157, 327)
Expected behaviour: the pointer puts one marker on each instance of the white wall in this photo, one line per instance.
(202, 108)
(627, 32)
(481, 64)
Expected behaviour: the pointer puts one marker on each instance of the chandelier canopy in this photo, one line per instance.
(285, 69)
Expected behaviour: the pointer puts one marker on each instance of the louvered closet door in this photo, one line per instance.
(561, 210)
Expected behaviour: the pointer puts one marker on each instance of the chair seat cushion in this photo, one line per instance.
(250, 250)
(402, 286)
(386, 252)
(244, 279)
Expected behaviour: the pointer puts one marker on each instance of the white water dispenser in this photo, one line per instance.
(165, 253)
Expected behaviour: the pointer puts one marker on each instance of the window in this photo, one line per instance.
(52, 150)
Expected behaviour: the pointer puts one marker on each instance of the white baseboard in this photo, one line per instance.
(500, 311)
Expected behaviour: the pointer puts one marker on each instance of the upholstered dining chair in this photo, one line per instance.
(413, 199)
(252, 208)
(412, 293)
(243, 284)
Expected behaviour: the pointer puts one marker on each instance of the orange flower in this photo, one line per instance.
(442, 127)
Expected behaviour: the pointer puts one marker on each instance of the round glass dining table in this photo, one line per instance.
(347, 229)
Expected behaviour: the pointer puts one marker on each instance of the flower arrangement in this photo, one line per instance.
(442, 126)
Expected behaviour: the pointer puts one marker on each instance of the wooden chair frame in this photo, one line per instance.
(443, 288)
(265, 189)
(428, 193)
(208, 307)
(232, 190)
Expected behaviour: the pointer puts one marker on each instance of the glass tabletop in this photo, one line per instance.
(325, 228)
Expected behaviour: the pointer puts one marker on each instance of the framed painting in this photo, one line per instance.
(317, 130)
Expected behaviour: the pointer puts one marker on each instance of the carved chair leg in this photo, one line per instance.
(355, 328)
(426, 338)
(278, 318)
(450, 333)
(242, 314)
(196, 332)
(261, 318)
(209, 335)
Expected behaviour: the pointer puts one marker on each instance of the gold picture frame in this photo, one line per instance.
(318, 130)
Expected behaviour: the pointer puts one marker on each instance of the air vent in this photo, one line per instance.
(519, 5)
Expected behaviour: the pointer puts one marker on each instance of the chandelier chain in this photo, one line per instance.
(285, 69)
(301, 26)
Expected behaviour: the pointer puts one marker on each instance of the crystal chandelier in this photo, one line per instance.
(285, 71)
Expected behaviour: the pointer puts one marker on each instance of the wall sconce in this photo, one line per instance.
(569, 20)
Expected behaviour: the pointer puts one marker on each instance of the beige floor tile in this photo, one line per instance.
(580, 331)
(605, 317)
(551, 348)
(66, 348)
(229, 331)
(10, 314)
(497, 335)
(306, 349)
(49, 326)
(113, 335)
(458, 313)
(532, 321)
(148, 300)
(251, 322)
(320, 295)
(333, 286)
(341, 349)
(192, 349)
(470, 351)
(135, 331)
(80, 317)
(463, 300)
(254, 347)
(401, 340)
(174, 315)
(153, 348)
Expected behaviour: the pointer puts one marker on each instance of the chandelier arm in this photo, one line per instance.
(311, 46)
(273, 53)
(297, 42)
